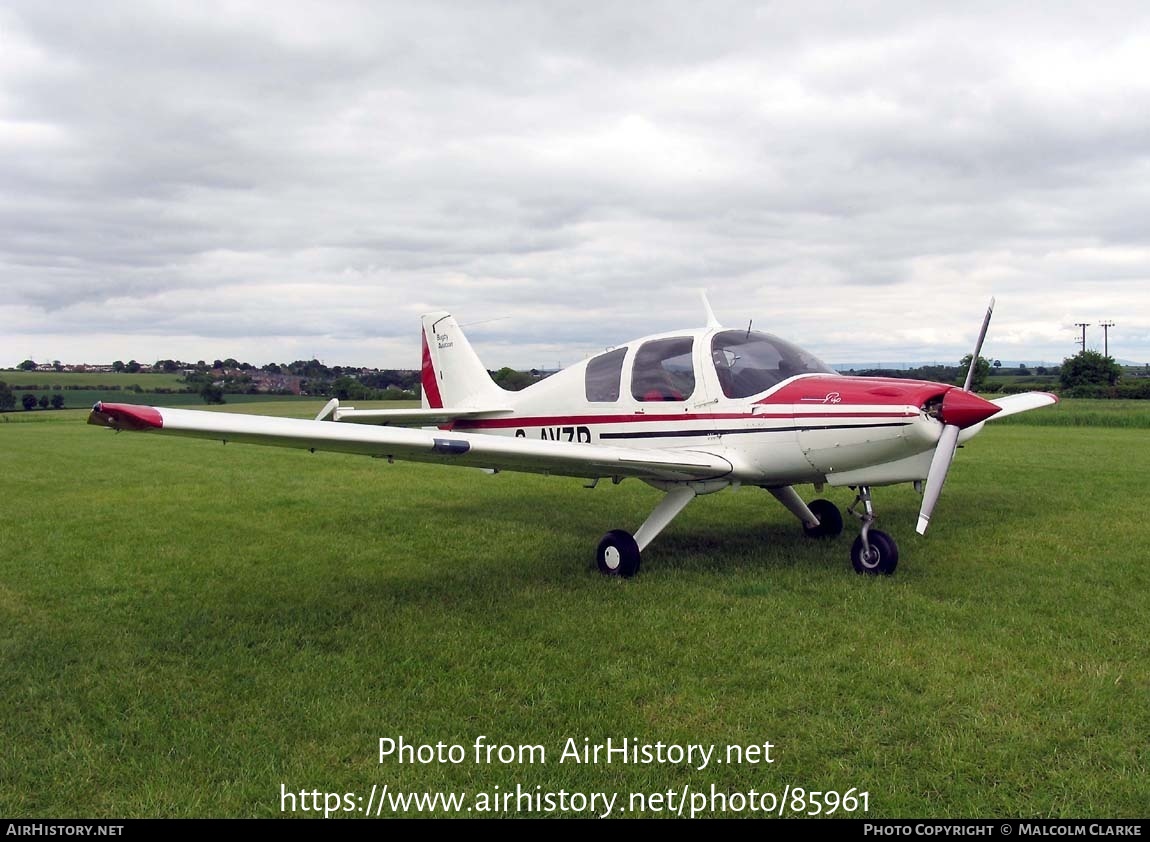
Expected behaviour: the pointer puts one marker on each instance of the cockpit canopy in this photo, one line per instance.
(664, 370)
(671, 368)
(750, 362)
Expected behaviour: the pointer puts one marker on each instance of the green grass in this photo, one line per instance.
(184, 626)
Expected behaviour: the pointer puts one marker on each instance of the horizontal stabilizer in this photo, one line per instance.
(411, 417)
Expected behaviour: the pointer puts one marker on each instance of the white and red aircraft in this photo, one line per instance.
(689, 412)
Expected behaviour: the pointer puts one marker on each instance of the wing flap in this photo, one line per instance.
(465, 449)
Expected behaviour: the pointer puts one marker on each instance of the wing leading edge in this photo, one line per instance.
(465, 449)
(1013, 404)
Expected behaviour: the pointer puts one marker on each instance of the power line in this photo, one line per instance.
(1106, 336)
(1083, 325)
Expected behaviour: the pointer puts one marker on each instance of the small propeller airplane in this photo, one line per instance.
(689, 412)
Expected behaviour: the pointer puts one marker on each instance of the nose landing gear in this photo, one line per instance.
(873, 552)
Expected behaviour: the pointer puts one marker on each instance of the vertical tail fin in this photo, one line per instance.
(452, 374)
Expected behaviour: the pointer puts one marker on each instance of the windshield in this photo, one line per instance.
(749, 362)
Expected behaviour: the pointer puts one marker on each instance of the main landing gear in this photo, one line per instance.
(619, 552)
(830, 523)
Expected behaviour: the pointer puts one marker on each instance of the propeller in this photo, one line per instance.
(960, 409)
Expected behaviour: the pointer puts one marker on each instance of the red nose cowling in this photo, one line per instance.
(964, 409)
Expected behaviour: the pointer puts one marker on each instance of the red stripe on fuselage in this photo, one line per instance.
(568, 420)
(843, 393)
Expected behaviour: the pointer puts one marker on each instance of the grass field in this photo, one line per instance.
(82, 389)
(186, 626)
(1086, 413)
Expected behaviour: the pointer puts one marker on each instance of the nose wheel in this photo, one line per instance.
(879, 558)
(873, 552)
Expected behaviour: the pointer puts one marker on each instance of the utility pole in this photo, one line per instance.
(1106, 336)
(1083, 325)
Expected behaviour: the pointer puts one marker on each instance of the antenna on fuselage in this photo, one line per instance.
(711, 320)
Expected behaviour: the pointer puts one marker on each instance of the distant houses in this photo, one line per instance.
(86, 368)
(261, 381)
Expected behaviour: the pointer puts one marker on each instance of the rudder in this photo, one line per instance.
(452, 374)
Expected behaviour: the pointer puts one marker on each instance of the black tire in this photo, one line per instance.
(884, 554)
(830, 520)
(618, 554)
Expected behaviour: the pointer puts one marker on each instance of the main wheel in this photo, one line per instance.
(830, 520)
(883, 556)
(618, 554)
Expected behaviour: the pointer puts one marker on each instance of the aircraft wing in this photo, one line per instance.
(1012, 404)
(466, 449)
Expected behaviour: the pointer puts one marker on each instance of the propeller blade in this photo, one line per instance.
(978, 347)
(936, 477)
(968, 411)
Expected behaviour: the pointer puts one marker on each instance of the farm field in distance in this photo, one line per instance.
(187, 627)
(149, 382)
(82, 389)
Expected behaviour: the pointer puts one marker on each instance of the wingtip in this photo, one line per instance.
(923, 523)
(125, 416)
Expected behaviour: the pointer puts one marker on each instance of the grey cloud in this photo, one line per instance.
(578, 168)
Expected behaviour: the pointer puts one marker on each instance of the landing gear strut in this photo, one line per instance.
(619, 552)
(873, 552)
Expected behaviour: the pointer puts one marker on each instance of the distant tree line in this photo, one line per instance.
(1087, 374)
(957, 374)
(28, 401)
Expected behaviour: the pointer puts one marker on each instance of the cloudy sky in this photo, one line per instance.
(274, 181)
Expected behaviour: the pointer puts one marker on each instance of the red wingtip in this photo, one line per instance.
(126, 416)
